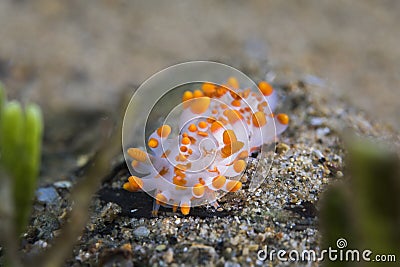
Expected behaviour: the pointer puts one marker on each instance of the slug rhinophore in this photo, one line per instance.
(220, 126)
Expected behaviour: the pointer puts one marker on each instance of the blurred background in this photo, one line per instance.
(79, 55)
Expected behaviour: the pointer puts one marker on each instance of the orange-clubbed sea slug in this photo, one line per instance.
(220, 126)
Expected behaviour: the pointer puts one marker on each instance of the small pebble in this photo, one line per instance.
(63, 184)
(228, 253)
(279, 235)
(253, 247)
(168, 256)
(317, 121)
(282, 148)
(318, 153)
(82, 160)
(260, 238)
(161, 247)
(231, 264)
(235, 240)
(322, 132)
(206, 252)
(110, 212)
(41, 244)
(141, 231)
(46, 195)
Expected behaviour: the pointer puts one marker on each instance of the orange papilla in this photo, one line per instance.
(211, 119)
(236, 103)
(164, 131)
(180, 173)
(137, 154)
(185, 141)
(174, 207)
(161, 199)
(203, 134)
(242, 155)
(216, 125)
(259, 119)
(185, 209)
(232, 148)
(203, 124)
(283, 118)
(220, 91)
(265, 88)
(153, 143)
(200, 105)
(192, 127)
(177, 180)
(232, 115)
(198, 189)
(233, 82)
(197, 93)
(187, 96)
(239, 166)
(233, 186)
(134, 183)
(134, 163)
(219, 181)
(228, 137)
(208, 89)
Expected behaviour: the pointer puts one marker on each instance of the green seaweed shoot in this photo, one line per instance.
(20, 150)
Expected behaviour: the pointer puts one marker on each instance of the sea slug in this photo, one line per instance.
(220, 126)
